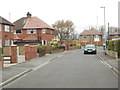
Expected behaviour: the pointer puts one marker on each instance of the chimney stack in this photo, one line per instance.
(29, 15)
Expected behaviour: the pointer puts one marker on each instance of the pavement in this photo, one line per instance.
(13, 71)
(111, 62)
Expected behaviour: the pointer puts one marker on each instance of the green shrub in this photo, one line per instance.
(48, 48)
(40, 48)
(108, 45)
(113, 45)
(117, 46)
(72, 45)
(55, 46)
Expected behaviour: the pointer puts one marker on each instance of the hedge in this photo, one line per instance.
(117, 46)
(113, 45)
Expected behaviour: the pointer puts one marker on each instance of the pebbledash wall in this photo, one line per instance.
(19, 54)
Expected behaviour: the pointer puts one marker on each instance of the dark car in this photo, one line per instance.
(90, 48)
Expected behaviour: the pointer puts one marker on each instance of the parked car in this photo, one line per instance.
(90, 48)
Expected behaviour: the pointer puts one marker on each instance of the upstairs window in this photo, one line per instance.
(7, 28)
(43, 30)
(31, 31)
(17, 31)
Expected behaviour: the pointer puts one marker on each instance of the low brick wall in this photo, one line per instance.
(112, 53)
(73, 47)
(57, 50)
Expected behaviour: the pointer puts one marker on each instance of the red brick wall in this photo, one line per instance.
(47, 36)
(30, 52)
(14, 54)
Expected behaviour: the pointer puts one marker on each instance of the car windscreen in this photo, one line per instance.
(90, 46)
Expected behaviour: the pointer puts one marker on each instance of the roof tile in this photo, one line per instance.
(4, 21)
(91, 32)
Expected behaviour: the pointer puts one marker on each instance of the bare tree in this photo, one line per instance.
(64, 29)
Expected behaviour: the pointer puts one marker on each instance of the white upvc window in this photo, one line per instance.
(7, 42)
(31, 31)
(0, 27)
(7, 28)
(43, 30)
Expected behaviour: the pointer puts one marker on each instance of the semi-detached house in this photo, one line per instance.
(6, 32)
(91, 36)
(32, 30)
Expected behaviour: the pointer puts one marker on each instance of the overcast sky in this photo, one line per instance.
(83, 13)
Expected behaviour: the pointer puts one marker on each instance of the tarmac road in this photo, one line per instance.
(74, 70)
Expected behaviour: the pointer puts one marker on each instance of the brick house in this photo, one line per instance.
(113, 32)
(6, 32)
(32, 30)
(90, 36)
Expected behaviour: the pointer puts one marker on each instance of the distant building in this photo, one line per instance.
(32, 30)
(113, 32)
(6, 32)
(90, 36)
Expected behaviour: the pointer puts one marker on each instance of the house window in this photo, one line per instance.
(7, 42)
(96, 36)
(17, 31)
(31, 31)
(51, 32)
(43, 30)
(7, 28)
(0, 27)
(84, 36)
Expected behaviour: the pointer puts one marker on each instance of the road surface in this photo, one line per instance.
(74, 70)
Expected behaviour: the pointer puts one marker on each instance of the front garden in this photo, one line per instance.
(54, 48)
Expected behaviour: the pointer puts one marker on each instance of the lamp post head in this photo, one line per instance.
(102, 7)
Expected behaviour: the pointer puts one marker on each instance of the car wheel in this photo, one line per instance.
(95, 52)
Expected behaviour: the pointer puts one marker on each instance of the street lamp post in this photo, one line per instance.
(104, 32)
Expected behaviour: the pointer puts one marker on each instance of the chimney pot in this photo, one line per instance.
(29, 15)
